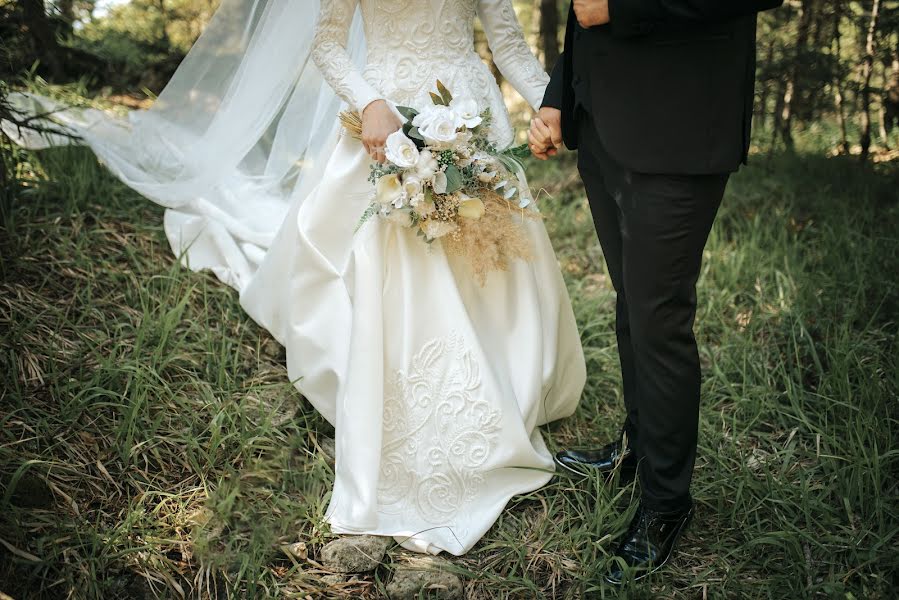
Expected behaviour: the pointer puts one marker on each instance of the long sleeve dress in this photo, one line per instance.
(434, 383)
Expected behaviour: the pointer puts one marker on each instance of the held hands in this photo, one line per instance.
(545, 135)
(378, 122)
(590, 13)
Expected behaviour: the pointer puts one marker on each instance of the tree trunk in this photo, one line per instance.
(762, 108)
(891, 93)
(881, 110)
(778, 113)
(549, 32)
(791, 89)
(42, 34)
(838, 80)
(786, 113)
(867, 70)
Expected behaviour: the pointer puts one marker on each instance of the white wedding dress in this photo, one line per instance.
(434, 384)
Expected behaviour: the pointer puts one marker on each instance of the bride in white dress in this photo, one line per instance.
(435, 384)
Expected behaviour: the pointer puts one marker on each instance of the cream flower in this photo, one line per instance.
(400, 150)
(472, 208)
(467, 110)
(412, 185)
(389, 190)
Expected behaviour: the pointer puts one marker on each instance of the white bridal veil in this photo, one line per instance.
(241, 129)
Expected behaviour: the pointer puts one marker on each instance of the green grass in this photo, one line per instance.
(150, 441)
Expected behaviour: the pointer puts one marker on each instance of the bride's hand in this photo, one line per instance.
(378, 121)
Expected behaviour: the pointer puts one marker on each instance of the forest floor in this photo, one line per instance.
(151, 443)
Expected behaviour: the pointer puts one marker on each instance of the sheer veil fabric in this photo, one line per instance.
(435, 385)
(245, 122)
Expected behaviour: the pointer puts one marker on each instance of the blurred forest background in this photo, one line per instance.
(152, 445)
(826, 66)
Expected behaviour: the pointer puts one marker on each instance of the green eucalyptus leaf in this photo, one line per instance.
(409, 113)
(454, 179)
(521, 151)
(371, 211)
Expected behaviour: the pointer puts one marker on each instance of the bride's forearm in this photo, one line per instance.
(511, 53)
(329, 53)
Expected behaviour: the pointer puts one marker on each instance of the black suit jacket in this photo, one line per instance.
(670, 82)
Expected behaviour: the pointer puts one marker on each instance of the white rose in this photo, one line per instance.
(411, 185)
(426, 165)
(439, 126)
(400, 150)
(440, 133)
(468, 111)
(429, 114)
(389, 190)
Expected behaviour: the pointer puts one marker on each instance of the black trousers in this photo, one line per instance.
(652, 229)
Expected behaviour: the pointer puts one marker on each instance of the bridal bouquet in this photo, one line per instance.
(447, 180)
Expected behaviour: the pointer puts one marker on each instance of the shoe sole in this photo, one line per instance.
(677, 535)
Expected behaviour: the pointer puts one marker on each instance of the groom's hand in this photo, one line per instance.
(590, 13)
(545, 135)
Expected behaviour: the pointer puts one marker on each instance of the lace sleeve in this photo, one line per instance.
(511, 52)
(330, 55)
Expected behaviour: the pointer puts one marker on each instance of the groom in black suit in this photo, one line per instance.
(657, 97)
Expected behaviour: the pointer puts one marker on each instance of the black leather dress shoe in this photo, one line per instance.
(603, 460)
(648, 543)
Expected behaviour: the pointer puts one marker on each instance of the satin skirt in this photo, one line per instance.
(435, 384)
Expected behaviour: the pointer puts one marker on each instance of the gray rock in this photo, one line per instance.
(355, 554)
(424, 577)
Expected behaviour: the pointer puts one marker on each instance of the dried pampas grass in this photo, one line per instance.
(352, 122)
(493, 241)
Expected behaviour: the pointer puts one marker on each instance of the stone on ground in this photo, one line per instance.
(355, 554)
(424, 577)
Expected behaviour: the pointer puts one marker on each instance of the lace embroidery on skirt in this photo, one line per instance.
(438, 434)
